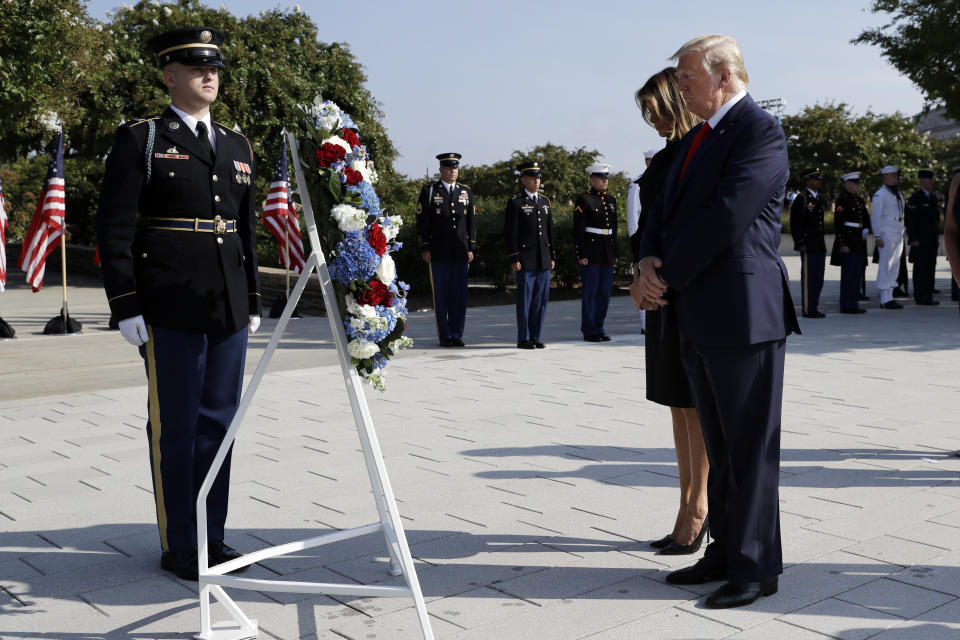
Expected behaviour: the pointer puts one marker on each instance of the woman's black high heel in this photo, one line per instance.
(674, 549)
(665, 541)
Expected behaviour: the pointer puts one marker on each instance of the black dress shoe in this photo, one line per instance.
(738, 594)
(815, 314)
(594, 338)
(857, 310)
(892, 304)
(457, 342)
(525, 344)
(699, 573)
(605, 337)
(182, 563)
(446, 343)
(675, 549)
(539, 345)
(218, 553)
(662, 542)
(929, 303)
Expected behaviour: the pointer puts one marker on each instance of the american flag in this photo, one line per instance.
(3, 241)
(280, 216)
(46, 230)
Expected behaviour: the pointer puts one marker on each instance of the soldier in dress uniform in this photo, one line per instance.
(176, 230)
(806, 226)
(922, 219)
(446, 224)
(850, 245)
(887, 223)
(595, 241)
(529, 235)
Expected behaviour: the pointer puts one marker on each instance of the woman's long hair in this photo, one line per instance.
(660, 96)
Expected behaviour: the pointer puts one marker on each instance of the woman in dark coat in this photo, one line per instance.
(663, 108)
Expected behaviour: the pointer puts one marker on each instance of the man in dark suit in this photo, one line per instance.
(711, 243)
(446, 224)
(528, 230)
(806, 227)
(176, 230)
(922, 219)
(595, 241)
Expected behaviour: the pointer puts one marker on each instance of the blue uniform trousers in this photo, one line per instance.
(851, 267)
(533, 291)
(194, 383)
(597, 282)
(449, 297)
(739, 397)
(811, 279)
(924, 271)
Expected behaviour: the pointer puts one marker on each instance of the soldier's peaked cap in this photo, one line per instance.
(853, 175)
(812, 172)
(599, 169)
(192, 46)
(449, 159)
(530, 169)
(925, 173)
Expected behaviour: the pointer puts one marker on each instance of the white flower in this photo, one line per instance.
(362, 311)
(337, 140)
(349, 218)
(392, 229)
(358, 164)
(50, 121)
(155, 22)
(404, 342)
(329, 122)
(167, 11)
(99, 27)
(377, 379)
(361, 349)
(296, 8)
(387, 271)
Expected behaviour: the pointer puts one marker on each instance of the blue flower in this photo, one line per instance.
(379, 362)
(355, 259)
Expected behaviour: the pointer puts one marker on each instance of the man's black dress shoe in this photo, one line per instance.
(539, 345)
(929, 303)
(457, 342)
(662, 542)
(182, 563)
(738, 594)
(593, 338)
(857, 310)
(525, 344)
(699, 573)
(605, 337)
(815, 314)
(218, 553)
(892, 304)
(446, 343)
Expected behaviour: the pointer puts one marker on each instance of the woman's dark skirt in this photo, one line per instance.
(667, 382)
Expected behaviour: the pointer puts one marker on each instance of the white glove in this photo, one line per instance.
(134, 330)
(865, 232)
(254, 324)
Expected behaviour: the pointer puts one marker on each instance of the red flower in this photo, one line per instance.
(330, 153)
(377, 239)
(376, 294)
(353, 176)
(350, 137)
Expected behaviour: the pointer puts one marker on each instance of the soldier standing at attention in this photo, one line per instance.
(922, 218)
(595, 240)
(529, 235)
(850, 245)
(887, 223)
(806, 226)
(176, 230)
(446, 224)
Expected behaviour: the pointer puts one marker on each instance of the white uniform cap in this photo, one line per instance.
(890, 169)
(648, 155)
(853, 175)
(598, 168)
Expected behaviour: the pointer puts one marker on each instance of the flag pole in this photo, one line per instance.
(63, 259)
(286, 249)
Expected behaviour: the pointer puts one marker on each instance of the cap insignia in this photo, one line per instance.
(205, 36)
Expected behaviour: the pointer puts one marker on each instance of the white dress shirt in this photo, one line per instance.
(715, 119)
(191, 122)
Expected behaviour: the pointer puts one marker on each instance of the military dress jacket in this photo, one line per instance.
(806, 222)
(595, 227)
(922, 218)
(447, 221)
(850, 215)
(194, 281)
(528, 231)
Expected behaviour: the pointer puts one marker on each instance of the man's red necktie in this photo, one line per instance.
(694, 145)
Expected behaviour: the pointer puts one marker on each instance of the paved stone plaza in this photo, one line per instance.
(529, 481)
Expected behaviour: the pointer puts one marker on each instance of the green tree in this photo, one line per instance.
(920, 41)
(50, 51)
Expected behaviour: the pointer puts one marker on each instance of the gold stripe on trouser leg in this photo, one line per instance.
(433, 296)
(804, 268)
(153, 401)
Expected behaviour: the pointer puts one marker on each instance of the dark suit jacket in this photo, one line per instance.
(528, 229)
(189, 281)
(717, 230)
(446, 223)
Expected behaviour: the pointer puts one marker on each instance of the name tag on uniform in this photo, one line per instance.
(172, 156)
(527, 209)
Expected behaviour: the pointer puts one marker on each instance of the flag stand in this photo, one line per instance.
(213, 579)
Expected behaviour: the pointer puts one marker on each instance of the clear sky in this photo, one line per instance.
(486, 77)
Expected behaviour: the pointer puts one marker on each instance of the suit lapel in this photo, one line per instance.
(177, 130)
(223, 160)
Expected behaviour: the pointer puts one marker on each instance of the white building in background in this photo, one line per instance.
(937, 124)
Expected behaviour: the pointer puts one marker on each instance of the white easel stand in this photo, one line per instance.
(213, 579)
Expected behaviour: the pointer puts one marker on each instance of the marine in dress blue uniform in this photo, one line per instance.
(922, 219)
(528, 231)
(447, 226)
(849, 246)
(595, 242)
(806, 226)
(176, 231)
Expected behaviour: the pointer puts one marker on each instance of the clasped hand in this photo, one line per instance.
(648, 288)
